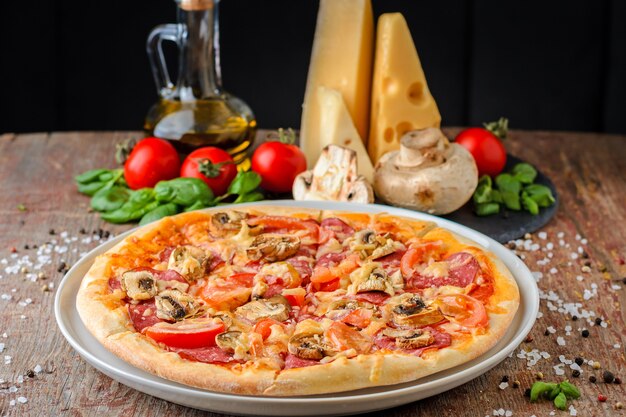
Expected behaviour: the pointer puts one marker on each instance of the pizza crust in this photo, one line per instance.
(106, 317)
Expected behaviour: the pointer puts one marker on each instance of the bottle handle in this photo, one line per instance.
(169, 32)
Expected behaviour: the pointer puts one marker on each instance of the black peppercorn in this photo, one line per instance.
(593, 379)
(579, 361)
(51, 231)
(585, 333)
(617, 380)
(546, 333)
(574, 318)
(608, 377)
(576, 373)
(30, 373)
(505, 378)
(527, 392)
(598, 321)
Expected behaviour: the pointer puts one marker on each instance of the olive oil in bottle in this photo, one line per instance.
(196, 111)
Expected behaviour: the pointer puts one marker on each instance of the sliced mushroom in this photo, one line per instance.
(273, 247)
(309, 346)
(338, 309)
(139, 285)
(370, 277)
(410, 339)
(189, 261)
(414, 312)
(335, 178)
(428, 173)
(226, 222)
(228, 341)
(174, 305)
(368, 244)
(276, 308)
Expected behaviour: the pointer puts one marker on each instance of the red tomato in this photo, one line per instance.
(278, 164)
(213, 166)
(418, 254)
(486, 148)
(264, 327)
(225, 295)
(328, 286)
(188, 334)
(295, 300)
(244, 278)
(465, 310)
(360, 317)
(151, 160)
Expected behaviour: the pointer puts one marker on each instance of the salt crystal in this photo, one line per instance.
(553, 270)
(560, 235)
(12, 403)
(6, 297)
(616, 287)
(508, 413)
(20, 379)
(560, 341)
(550, 246)
(578, 236)
(537, 275)
(37, 369)
(568, 328)
(580, 250)
(12, 389)
(1, 347)
(22, 400)
(7, 359)
(542, 235)
(584, 241)
(579, 278)
(503, 385)
(551, 329)
(561, 242)
(604, 325)
(574, 255)
(572, 411)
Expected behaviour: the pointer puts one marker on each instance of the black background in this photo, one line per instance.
(69, 65)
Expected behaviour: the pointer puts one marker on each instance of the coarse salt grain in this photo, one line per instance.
(572, 411)
(574, 255)
(22, 400)
(503, 385)
(542, 235)
(1, 347)
(12, 389)
(560, 341)
(560, 235)
(553, 270)
(549, 245)
(37, 369)
(616, 346)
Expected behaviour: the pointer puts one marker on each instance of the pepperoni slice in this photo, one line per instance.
(140, 318)
(211, 354)
(164, 256)
(115, 284)
(334, 228)
(302, 266)
(331, 259)
(169, 275)
(462, 269)
(292, 361)
(391, 262)
(441, 340)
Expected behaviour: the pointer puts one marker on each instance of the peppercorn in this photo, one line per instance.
(82, 231)
(596, 365)
(601, 398)
(608, 377)
(576, 373)
(61, 267)
(546, 333)
(30, 373)
(527, 392)
(619, 406)
(593, 379)
(579, 361)
(617, 380)
(585, 255)
(598, 321)
(574, 318)
(505, 378)
(516, 384)
(585, 333)
(539, 375)
(26, 247)
(624, 280)
(51, 231)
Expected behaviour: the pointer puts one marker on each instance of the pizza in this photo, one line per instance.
(283, 301)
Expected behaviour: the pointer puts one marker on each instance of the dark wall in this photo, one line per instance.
(69, 65)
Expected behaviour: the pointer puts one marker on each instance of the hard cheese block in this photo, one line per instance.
(337, 128)
(401, 100)
(341, 59)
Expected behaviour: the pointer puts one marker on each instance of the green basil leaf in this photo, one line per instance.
(482, 194)
(250, 197)
(485, 180)
(184, 191)
(139, 203)
(540, 388)
(486, 209)
(496, 197)
(89, 176)
(529, 204)
(569, 390)
(524, 173)
(244, 183)
(200, 204)
(109, 199)
(541, 194)
(159, 212)
(90, 188)
(560, 401)
(554, 392)
(508, 183)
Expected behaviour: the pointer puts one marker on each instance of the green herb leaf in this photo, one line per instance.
(483, 190)
(524, 173)
(90, 188)
(159, 212)
(485, 180)
(21, 207)
(140, 202)
(496, 196)
(244, 183)
(89, 176)
(540, 388)
(486, 209)
(500, 127)
(541, 194)
(250, 197)
(569, 390)
(560, 401)
(529, 204)
(554, 392)
(509, 188)
(184, 192)
(109, 199)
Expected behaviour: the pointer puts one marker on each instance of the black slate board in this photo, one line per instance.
(507, 225)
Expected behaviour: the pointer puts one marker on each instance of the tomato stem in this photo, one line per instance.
(210, 169)
(500, 127)
(287, 137)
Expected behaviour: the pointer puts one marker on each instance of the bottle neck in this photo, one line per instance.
(199, 72)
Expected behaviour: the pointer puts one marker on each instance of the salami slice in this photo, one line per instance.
(391, 262)
(462, 269)
(334, 228)
(292, 361)
(441, 340)
(169, 275)
(303, 267)
(164, 256)
(331, 259)
(143, 315)
(115, 284)
(372, 297)
(210, 354)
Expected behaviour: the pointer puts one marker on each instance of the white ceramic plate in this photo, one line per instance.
(352, 402)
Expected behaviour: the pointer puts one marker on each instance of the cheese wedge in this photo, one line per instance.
(336, 128)
(341, 59)
(401, 100)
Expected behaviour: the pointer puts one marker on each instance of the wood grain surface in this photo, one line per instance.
(37, 194)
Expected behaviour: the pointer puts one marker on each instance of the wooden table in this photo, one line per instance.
(37, 194)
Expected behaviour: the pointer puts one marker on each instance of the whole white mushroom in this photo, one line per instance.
(428, 173)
